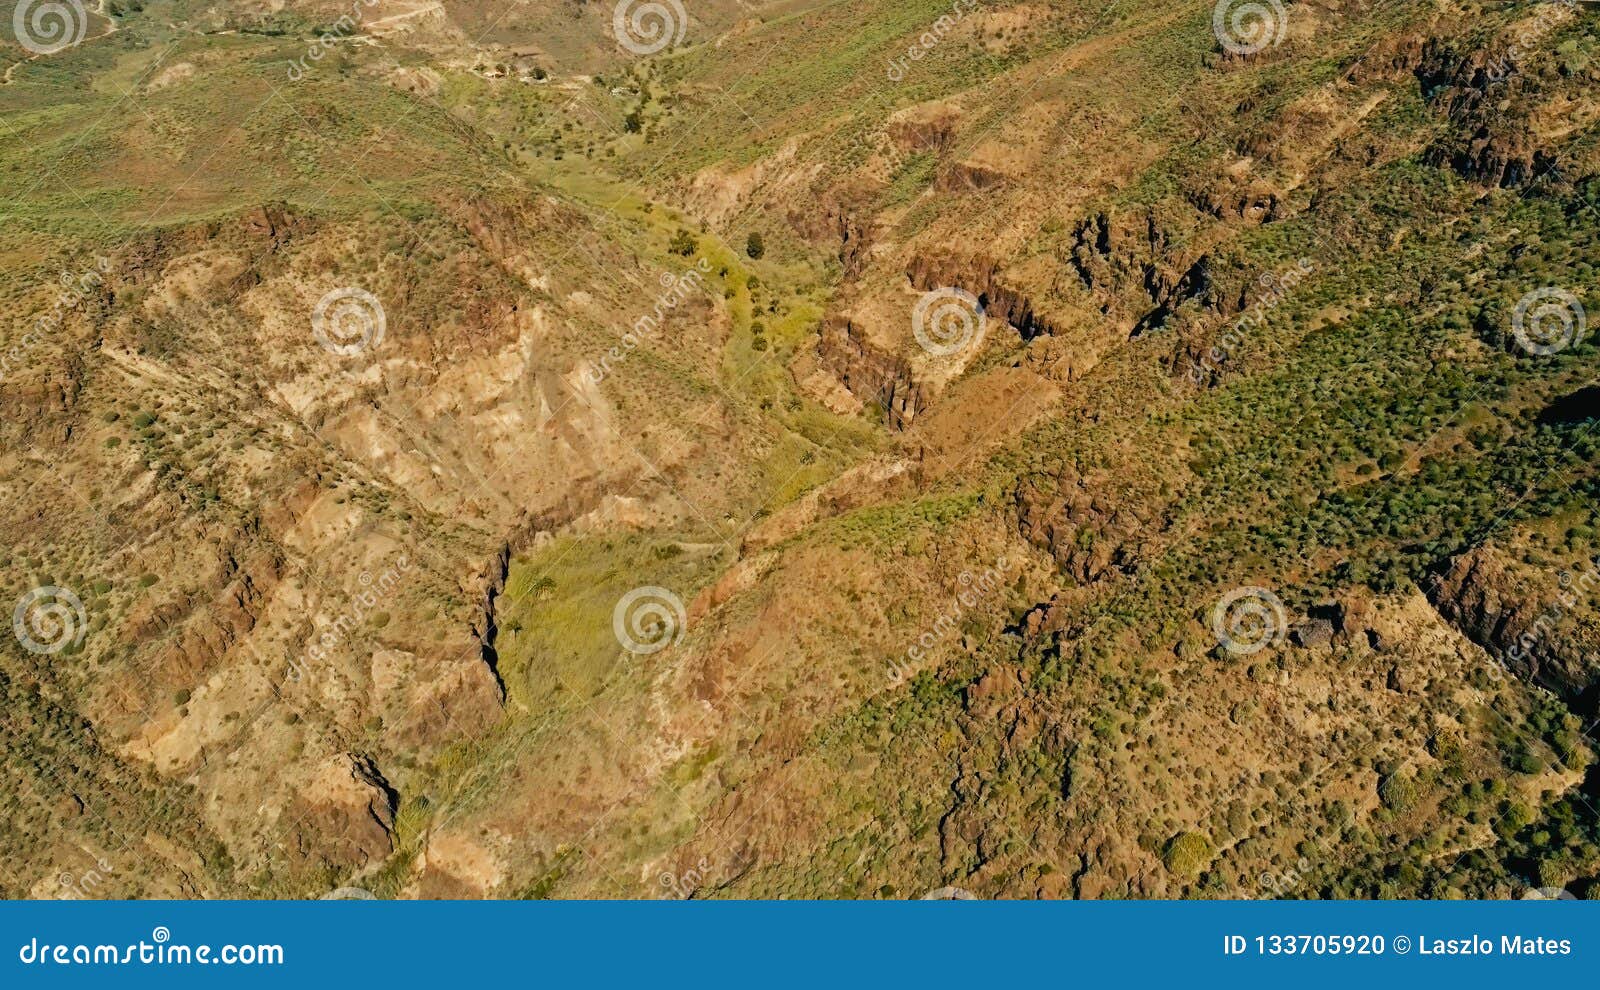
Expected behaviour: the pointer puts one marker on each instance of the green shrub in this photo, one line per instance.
(1398, 793)
(683, 243)
(1188, 854)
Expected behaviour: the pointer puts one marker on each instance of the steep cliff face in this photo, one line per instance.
(1492, 95)
(870, 373)
(982, 278)
(1540, 624)
(1130, 264)
(343, 817)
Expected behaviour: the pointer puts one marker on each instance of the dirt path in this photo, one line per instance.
(428, 9)
(13, 67)
(5, 80)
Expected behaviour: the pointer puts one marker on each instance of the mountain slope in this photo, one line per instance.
(1059, 450)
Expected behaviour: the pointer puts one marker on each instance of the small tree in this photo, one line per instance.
(754, 246)
(683, 243)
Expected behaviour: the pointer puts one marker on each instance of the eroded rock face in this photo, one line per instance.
(981, 277)
(871, 374)
(1133, 266)
(1487, 95)
(345, 813)
(1084, 527)
(1540, 625)
(839, 218)
(1502, 159)
(1251, 203)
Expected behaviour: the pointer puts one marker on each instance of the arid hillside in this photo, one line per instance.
(800, 449)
